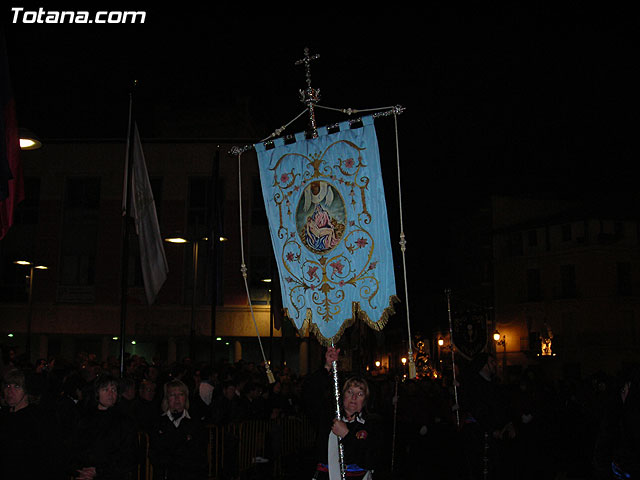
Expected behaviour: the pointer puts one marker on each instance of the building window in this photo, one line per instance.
(618, 229)
(515, 243)
(79, 240)
(568, 281)
(198, 218)
(533, 285)
(623, 270)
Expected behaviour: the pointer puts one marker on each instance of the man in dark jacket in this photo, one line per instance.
(178, 442)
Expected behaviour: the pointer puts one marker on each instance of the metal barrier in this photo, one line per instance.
(243, 445)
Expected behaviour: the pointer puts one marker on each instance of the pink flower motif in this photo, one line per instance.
(337, 267)
(290, 256)
(284, 178)
(312, 272)
(341, 283)
(373, 265)
(361, 242)
(289, 279)
(349, 163)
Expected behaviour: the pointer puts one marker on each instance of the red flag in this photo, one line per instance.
(11, 180)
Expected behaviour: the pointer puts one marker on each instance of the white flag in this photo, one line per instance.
(143, 210)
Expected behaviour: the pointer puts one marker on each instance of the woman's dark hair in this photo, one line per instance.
(103, 381)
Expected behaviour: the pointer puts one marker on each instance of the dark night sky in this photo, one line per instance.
(492, 96)
(512, 99)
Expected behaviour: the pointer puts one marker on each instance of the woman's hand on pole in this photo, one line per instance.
(331, 356)
(339, 428)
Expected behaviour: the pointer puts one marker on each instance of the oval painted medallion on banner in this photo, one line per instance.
(321, 217)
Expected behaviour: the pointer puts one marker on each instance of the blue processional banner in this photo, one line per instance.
(327, 216)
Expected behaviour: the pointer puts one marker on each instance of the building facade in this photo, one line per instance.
(558, 281)
(71, 222)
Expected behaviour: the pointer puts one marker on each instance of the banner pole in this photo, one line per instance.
(336, 391)
(456, 406)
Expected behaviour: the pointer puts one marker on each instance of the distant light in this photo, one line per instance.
(133, 342)
(28, 141)
(10, 335)
(226, 343)
(266, 280)
(378, 363)
(440, 342)
(496, 336)
(27, 262)
(176, 240)
(404, 360)
(218, 339)
(223, 239)
(114, 338)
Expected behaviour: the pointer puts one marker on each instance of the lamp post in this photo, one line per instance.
(32, 268)
(501, 340)
(195, 242)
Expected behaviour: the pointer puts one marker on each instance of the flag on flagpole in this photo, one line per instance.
(11, 180)
(143, 210)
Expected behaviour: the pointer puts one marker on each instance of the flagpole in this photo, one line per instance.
(214, 233)
(453, 359)
(126, 205)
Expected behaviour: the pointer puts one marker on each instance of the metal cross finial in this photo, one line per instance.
(307, 64)
(310, 95)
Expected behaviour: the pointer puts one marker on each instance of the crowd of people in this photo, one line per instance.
(81, 420)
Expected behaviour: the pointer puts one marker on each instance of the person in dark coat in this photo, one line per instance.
(617, 445)
(146, 407)
(359, 434)
(105, 441)
(23, 449)
(487, 429)
(226, 407)
(178, 442)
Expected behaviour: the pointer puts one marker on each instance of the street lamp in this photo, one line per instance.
(28, 141)
(501, 340)
(32, 268)
(195, 242)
